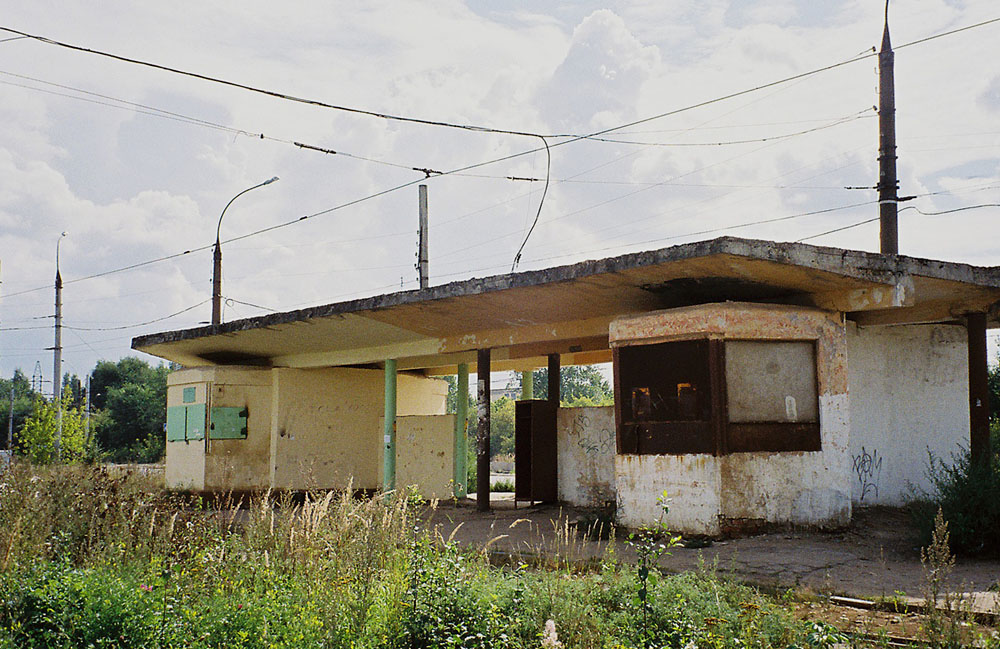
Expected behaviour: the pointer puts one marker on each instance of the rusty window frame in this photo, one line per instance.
(654, 432)
(775, 436)
(716, 435)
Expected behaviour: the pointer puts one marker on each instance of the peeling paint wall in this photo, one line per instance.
(691, 483)
(425, 454)
(325, 428)
(240, 464)
(585, 441)
(909, 395)
(185, 461)
(315, 428)
(802, 488)
(710, 494)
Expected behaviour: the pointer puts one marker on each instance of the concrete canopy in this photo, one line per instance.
(566, 310)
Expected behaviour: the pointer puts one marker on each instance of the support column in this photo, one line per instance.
(979, 393)
(527, 384)
(389, 428)
(461, 476)
(554, 395)
(483, 431)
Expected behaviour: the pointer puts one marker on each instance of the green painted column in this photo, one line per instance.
(527, 387)
(389, 430)
(461, 477)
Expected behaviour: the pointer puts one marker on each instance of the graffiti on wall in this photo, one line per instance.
(868, 469)
(594, 442)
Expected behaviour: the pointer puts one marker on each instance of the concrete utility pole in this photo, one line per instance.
(10, 419)
(422, 258)
(887, 182)
(57, 356)
(86, 420)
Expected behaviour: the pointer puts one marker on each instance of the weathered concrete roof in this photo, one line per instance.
(566, 309)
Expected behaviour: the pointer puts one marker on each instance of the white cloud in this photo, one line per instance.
(130, 187)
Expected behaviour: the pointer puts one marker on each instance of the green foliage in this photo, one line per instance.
(502, 427)
(133, 397)
(37, 439)
(24, 397)
(968, 496)
(578, 385)
(503, 486)
(92, 559)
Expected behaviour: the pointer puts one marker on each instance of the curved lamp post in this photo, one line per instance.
(217, 258)
(57, 357)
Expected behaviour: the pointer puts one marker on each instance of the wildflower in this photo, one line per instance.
(146, 588)
(550, 640)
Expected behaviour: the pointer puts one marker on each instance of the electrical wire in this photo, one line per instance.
(547, 147)
(957, 209)
(139, 324)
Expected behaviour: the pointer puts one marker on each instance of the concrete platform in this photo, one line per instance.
(875, 557)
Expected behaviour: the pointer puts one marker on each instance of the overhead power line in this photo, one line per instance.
(547, 148)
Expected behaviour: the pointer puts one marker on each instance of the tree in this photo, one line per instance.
(578, 385)
(23, 399)
(502, 427)
(131, 398)
(37, 439)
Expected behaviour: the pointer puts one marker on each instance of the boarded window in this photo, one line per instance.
(771, 396)
(703, 396)
(186, 423)
(771, 381)
(664, 398)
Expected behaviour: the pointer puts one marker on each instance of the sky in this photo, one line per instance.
(135, 163)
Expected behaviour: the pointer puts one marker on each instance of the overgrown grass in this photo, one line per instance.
(968, 496)
(91, 560)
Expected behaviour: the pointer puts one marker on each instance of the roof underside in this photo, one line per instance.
(566, 310)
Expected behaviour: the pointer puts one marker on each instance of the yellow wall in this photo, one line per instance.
(425, 454)
(326, 430)
(314, 428)
(240, 464)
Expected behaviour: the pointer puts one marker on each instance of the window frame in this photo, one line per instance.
(716, 436)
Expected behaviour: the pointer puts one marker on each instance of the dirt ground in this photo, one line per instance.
(876, 557)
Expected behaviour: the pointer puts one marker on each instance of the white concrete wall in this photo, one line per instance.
(909, 394)
(585, 442)
(710, 495)
(691, 483)
(802, 488)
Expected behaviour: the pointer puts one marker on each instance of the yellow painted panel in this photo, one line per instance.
(240, 464)
(425, 454)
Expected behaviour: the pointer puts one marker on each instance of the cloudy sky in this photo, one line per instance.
(135, 163)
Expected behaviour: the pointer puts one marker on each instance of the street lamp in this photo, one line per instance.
(217, 258)
(57, 357)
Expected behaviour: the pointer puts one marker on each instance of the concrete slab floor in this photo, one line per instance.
(876, 556)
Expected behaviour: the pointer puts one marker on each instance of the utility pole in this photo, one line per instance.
(86, 416)
(422, 260)
(57, 357)
(10, 419)
(887, 182)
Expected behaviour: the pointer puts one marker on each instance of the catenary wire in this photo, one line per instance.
(467, 127)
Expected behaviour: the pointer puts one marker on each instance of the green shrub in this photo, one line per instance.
(88, 559)
(968, 495)
(503, 486)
